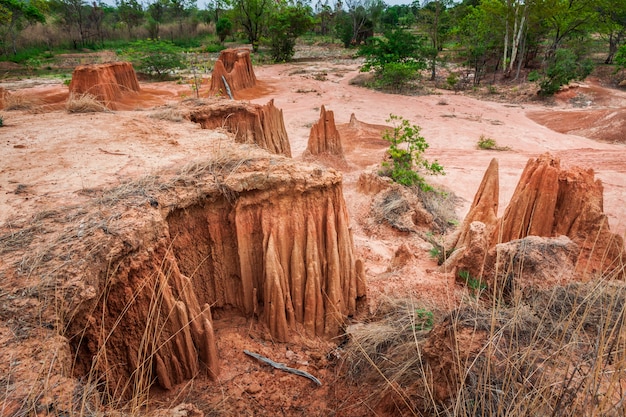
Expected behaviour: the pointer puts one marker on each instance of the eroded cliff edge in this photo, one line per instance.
(132, 279)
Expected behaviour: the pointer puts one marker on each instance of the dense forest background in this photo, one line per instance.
(550, 41)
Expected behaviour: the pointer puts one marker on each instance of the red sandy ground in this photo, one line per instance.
(49, 156)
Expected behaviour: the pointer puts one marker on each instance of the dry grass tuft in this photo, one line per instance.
(559, 352)
(84, 103)
(20, 101)
(168, 113)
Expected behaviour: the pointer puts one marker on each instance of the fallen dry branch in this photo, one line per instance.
(283, 367)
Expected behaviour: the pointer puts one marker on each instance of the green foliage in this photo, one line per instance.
(396, 46)
(452, 80)
(156, 58)
(424, 319)
(476, 285)
(287, 24)
(15, 15)
(406, 149)
(620, 57)
(485, 142)
(343, 29)
(533, 76)
(1, 120)
(564, 67)
(397, 75)
(224, 28)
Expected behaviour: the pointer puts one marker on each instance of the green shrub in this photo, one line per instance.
(485, 142)
(155, 57)
(565, 66)
(224, 28)
(287, 24)
(533, 76)
(1, 120)
(410, 155)
(452, 80)
(476, 285)
(397, 75)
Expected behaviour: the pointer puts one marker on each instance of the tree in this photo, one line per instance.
(154, 57)
(288, 23)
(612, 19)
(73, 18)
(131, 14)
(357, 24)
(15, 15)
(223, 27)
(478, 33)
(156, 13)
(253, 17)
(396, 58)
(435, 19)
(564, 67)
(397, 45)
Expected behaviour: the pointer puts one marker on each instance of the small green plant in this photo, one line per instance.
(1, 120)
(452, 80)
(406, 152)
(476, 285)
(488, 143)
(424, 319)
(485, 142)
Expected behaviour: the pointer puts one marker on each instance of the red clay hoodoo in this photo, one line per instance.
(548, 202)
(108, 82)
(250, 123)
(324, 140)
(234, 66)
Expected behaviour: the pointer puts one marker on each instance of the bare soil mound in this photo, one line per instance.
(606, 125)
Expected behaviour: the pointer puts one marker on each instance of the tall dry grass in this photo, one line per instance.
(84, 103)
(559, 352)
(21, 101)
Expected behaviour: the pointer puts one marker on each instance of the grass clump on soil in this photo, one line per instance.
(20, 101)
(488, 143)
(84, 103)
(556, 352)
(167, 113)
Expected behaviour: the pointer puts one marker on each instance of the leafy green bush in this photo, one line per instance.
(287, 24)
(396, 46)
(403, 159)
(565, 66)
(155, 57)
(533, 76)
(397, 75)
(224, 28)
(1, 120)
